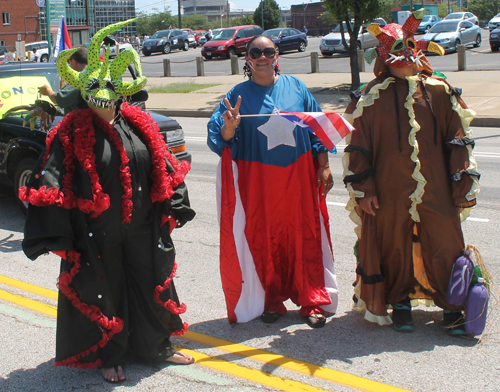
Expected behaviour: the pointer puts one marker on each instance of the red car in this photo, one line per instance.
(230, 41)
(198, 34)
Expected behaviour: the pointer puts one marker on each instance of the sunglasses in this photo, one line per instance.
(255, 53)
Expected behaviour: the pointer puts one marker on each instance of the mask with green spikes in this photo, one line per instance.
(100, 82)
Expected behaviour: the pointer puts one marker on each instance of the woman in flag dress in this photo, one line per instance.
(272, 183)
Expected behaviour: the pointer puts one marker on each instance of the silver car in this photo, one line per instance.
(463, 16)
(494, 23)
(450, 34)
(332, 42)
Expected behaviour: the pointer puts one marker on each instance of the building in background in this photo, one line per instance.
(310, 15)
(26, 20)
(215, 10)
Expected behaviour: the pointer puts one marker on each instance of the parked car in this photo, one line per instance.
(332, 42)
(287, 39)
(21, 147)
(42, 50)
(451, 33)
(198, 34)
(427, 22)
(463, 16)
(494, 22)
(192, 41)
(121, 46)
(230, 41)
(166, 40)
(495, 39)
(3, 50)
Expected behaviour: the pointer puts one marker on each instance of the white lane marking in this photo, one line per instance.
(477, 219)
(196, 138)
(334, 203)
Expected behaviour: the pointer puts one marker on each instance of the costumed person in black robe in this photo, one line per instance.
(412, 177)
(105, 196)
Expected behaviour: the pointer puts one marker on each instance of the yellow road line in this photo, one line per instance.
(29, 303)
(250, 374)
(292, 364)
(28, 287)
(239, 349)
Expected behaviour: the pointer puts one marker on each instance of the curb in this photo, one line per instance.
(478, 121)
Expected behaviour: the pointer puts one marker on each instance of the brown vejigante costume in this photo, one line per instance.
(412, 149)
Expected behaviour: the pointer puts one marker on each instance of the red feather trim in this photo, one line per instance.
(41, 197)
(170, 305)
(108, 327)
(182, 331)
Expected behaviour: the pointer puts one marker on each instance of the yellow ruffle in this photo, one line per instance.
(360, 306)
(466, 116)
(416, 196)
(365, 100)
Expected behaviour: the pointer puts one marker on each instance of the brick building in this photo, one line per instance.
(20, 22)
(310, 15)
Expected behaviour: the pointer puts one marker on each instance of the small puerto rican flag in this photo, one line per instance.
(62, 41)
(329, 127)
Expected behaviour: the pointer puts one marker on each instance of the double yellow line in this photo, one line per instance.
(254, 375)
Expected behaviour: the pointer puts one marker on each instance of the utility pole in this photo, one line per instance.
(47, 20)
(262, 13)
(179, 13)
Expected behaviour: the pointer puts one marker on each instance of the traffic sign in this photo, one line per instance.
(40, 3)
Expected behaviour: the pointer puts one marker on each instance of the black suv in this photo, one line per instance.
(166, 40)
(20, 147)
(495, 39)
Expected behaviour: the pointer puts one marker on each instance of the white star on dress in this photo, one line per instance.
(278, 131)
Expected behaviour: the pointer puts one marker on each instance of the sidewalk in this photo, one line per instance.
(481, 92)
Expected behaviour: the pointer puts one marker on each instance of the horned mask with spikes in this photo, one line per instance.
(398, 46)
(100, 82)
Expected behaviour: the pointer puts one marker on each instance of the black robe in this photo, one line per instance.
(116, 293)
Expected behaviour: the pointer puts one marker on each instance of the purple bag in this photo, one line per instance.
(460, 278)
(477, 308)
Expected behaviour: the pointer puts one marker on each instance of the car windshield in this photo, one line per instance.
(426, 18)
(161, 34)
(337, 29)
(444, 27)
(272, 33)
(224, 34)
(454, 16)
(19, 86)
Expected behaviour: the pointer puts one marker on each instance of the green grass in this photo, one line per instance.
(176, 88)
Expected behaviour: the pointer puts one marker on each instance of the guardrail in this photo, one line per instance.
(235, 69)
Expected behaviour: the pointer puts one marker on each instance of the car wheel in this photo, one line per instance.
(21, 178)
(478, 41)
(231, 52)
(455, 47)
(494, 48)
(186, 46)
(146, 53)
(278, 49)
(427, 28)
(166, 49)
(302, 46)
(44, 58)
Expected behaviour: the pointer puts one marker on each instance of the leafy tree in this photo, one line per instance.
(244, 20)
(354, 13)
(272, 14)
(195, 22)
(484, 9)
(150, 23)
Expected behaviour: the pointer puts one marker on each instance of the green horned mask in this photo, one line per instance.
(100, 82)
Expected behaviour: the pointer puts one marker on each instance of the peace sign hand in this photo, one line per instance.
(231, 119)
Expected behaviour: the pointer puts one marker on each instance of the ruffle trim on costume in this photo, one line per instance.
(77, 136)
(466, 116)
(41, 197)
(416, 196)
(170, 305)
(163, 182)
(182, 331)
(368, 99)
(108, 327)
(360, 306)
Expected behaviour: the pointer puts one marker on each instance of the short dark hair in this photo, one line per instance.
(80, 56)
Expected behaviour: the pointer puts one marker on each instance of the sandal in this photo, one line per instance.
(113, 380)
(180, 358)
(270, 316)
(316, 320)
(402, 320)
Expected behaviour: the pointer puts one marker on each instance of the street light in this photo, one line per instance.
(221, 17)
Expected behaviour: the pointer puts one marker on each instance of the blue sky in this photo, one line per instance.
(246, 5)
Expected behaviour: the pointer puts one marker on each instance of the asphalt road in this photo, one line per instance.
(183, 63)
(427, 360)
